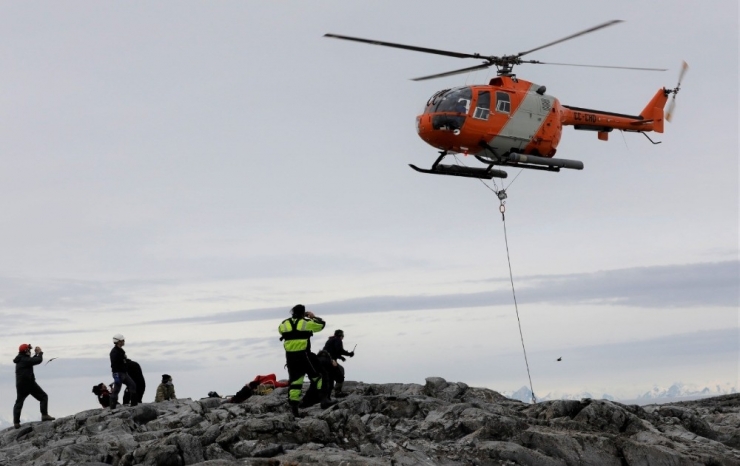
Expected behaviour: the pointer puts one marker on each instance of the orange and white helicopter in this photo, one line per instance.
(512, 122)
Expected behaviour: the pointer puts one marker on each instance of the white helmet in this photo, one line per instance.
(118, 337)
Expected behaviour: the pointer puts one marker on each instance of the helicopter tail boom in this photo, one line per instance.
(650, 119)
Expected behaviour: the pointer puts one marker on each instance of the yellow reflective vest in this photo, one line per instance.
(296, 332)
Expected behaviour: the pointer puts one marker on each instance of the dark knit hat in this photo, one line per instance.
(165, 378)
(299, 310)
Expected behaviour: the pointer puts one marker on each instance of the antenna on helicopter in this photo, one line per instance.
(674, 91)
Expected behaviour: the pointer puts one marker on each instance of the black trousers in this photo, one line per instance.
(120, 378)
(23, 388)
(127, 396)
(337, 373)
(302, 363)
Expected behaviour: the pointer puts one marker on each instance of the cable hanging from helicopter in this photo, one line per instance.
(502, 196)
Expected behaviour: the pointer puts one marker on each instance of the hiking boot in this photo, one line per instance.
(327, 403)
(46, 417)
(307, 403)
(113, 405)
(134, 403)
(294, 409)
(17, 425)
(339, 394)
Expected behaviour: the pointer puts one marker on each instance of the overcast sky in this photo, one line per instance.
(185, 172)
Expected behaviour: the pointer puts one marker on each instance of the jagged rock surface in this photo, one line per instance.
(439, 423)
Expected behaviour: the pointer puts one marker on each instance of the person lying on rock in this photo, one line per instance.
(103, 394)
(296, 333)
(244, 394)
(25, 383)
(261, 385)
(165, 390)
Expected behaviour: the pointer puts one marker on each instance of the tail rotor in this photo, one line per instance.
(672, 104)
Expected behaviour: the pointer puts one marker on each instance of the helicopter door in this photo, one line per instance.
(483, 106)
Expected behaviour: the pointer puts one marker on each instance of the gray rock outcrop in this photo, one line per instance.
(439, 423)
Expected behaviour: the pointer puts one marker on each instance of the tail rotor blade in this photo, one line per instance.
(672, 104)
(681, 74)
(671, 108)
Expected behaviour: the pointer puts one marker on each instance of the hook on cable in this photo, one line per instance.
(502, 197)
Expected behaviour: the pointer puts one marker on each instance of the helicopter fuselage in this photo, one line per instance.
(511, 115)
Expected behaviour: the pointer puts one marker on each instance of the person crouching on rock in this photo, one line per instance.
(120, 376)
(296, 333)
(336, 350)
(102, 393)
(25, 383)
(165, 390)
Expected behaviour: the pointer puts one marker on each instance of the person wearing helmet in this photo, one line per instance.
(120, 375)
(25, 383)
(296, 333)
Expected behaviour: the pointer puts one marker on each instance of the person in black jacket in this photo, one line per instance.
(120, 374)
(134, 371)
(335, 348)
(25, 383)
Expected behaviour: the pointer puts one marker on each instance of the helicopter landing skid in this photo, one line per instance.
(467, 172)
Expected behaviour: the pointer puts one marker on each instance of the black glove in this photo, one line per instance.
(351, 354)
(342, 358)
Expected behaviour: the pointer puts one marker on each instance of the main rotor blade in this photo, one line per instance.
(405, 47)
(537, 62)
(450, 73)
(572, 36)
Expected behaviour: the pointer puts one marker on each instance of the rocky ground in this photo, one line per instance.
(438, 423)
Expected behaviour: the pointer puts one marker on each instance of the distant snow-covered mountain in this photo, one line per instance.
(680, 390)
(677, 390)
(525, 394)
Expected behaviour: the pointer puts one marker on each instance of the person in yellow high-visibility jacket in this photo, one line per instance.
(296, 335)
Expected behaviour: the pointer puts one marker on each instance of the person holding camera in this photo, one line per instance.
(25, 383)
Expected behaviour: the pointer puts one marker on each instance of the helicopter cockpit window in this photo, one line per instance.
(483, 107)
(503, 103)
(455, 100)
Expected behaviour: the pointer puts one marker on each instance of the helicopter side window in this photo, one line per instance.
(483, 107)
(503, 104)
